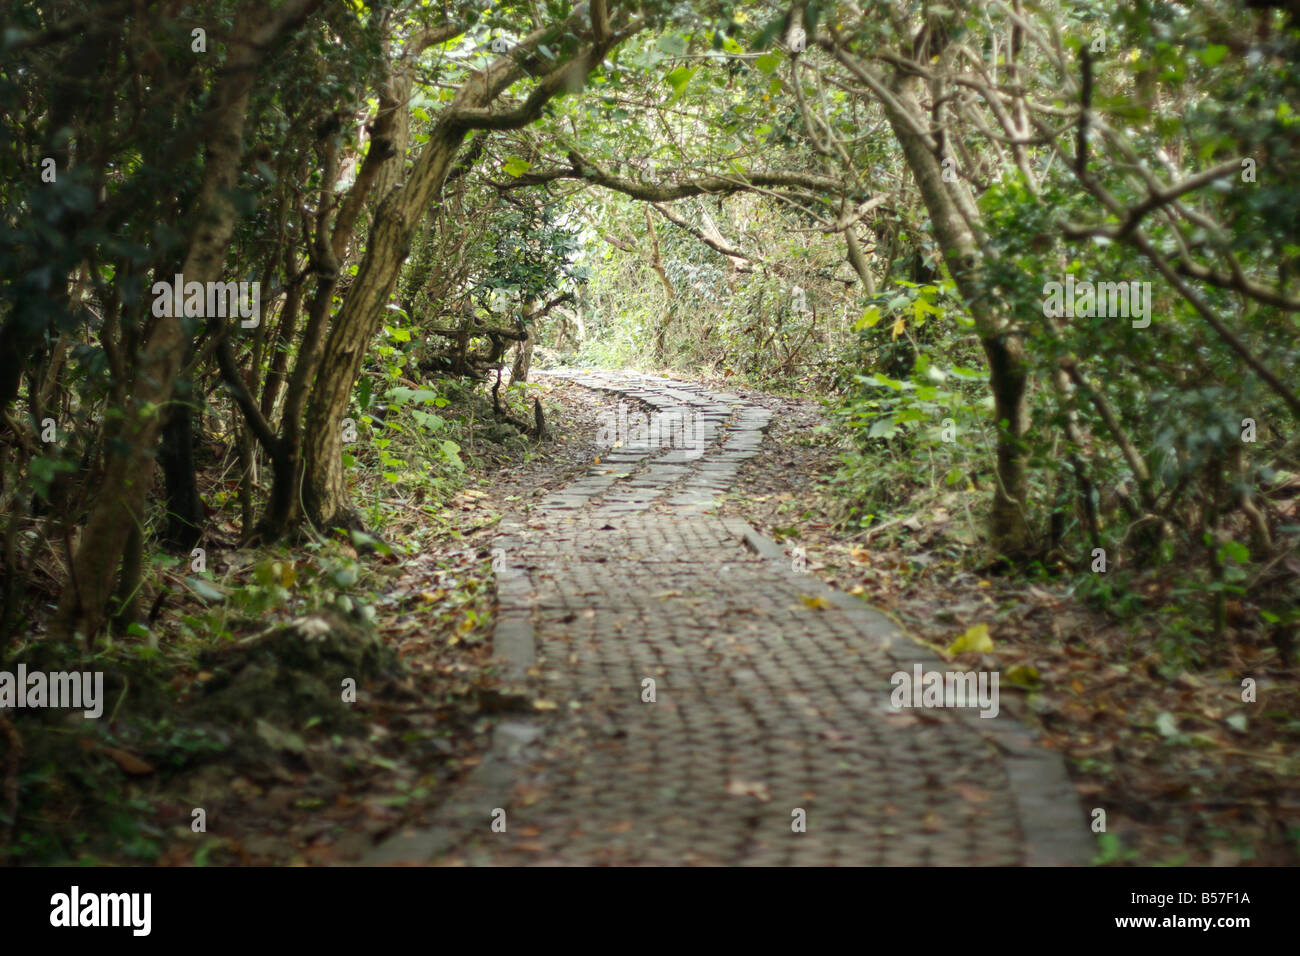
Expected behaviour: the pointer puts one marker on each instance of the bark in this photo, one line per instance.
(127, 597)
(176, 454)
(284, 335)
(1003, 347)
(324, 492)
(328, 252)
(584, 169)
(523, 363)
(656, 260)
(858, 260)
(282, 507)
(709, 234)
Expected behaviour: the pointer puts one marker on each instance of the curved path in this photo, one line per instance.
(771, 694)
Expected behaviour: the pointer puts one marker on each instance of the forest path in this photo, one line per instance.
(772, 693)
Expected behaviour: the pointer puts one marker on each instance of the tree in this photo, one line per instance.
(324, 490)
(119, 503)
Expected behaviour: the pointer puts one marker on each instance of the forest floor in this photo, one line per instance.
(252, 734)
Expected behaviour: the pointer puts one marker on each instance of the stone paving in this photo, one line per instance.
(771, 692)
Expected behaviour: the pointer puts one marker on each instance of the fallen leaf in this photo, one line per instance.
(1022, 675)
(975, 639)
(742, 788)
(128, 761)
(1166, 724)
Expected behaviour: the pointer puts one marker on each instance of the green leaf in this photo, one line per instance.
(921, 308)
(516, 167)
(767, 63)
(362, 540)
(883, 428)
(678, 80)
(1212, 54)
(426, 419)
(869, 319)
(1234, 551)
(404, 396)
(343, 577)
(1023, 675)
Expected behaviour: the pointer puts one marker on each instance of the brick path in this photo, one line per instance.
(764, 705)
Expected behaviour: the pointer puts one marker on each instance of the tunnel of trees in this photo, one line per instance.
(1042, 256)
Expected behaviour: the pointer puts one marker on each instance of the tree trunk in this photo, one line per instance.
(324, 490)
(386, 153)
(951, 219)
(523, 363)
(127, 597)
(184, 508)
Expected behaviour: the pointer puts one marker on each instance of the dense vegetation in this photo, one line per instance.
(870, 203)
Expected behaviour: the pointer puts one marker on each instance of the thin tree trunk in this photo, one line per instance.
(330, 246)
(176, 454)
(1003, 347)
(324, 491)
(523, 363)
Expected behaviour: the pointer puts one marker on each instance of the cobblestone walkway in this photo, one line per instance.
(771, 692)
